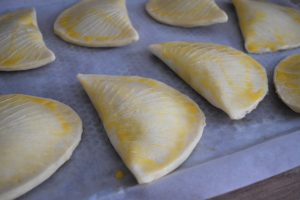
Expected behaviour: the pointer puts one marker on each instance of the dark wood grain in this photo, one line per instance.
(285, 186)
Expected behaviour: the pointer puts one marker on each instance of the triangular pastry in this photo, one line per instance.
(268, 27)
(37, 136)
(287, 81)
(21, 42)
(96, 23)
(190, 13)
(153, 127)
(227, 78)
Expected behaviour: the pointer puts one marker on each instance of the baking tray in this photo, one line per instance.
(230, 155)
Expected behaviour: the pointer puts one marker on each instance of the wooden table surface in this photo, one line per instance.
(285, 186)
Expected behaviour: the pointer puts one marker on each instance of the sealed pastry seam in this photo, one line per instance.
(227, 78)
(191, 13)
(268, 27)
(96, 23)
(153, 127)
(21, 42)
(38, 135)
(287, 81)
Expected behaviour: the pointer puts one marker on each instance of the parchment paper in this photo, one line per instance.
(231, 154)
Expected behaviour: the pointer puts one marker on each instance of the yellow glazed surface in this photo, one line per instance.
(21, 43)
(96, 23)
(37, 136)
(287, 81)
(190, 13)
(268, 27)
(227, 78)
(153, 127)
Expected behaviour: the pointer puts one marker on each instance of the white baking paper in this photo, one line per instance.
(230, 155)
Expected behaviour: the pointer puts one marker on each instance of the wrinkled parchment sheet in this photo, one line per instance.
(90, 173)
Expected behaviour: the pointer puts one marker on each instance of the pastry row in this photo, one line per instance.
(153, 127)
(266, 27)
(229, 79)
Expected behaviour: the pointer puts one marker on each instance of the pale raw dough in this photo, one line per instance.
(96, 23)
(21, 42)
(268, 27)
(287, 81)
(186, 13)
(37, 136)
(227, 78)
(153, 127)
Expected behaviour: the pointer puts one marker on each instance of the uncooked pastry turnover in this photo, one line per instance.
(186, 13)
(96, 23)
(227, 78)
(153, 127)
(268, 27)
(37, 136)
(21, 42)
(287, 81)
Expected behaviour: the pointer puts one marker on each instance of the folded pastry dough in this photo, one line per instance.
(37, 136)
(287, 81)
(96, 23)
(153, 127)
(21, 42)
(227, 78)
(268, 27)
(189, 13)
